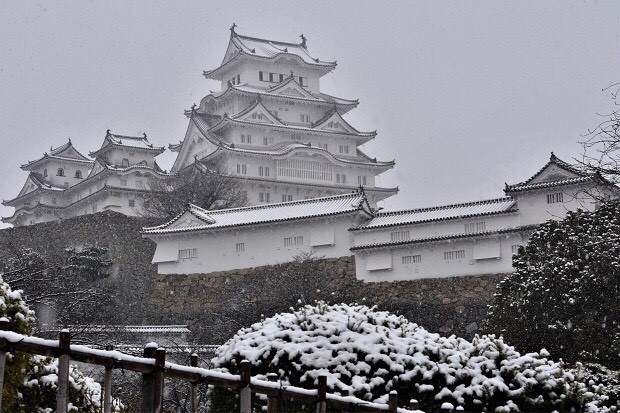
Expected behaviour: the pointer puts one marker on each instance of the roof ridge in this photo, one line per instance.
(441, 207)
(258, 39)
(279, 204)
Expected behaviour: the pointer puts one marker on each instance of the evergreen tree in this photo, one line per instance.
(564, 293)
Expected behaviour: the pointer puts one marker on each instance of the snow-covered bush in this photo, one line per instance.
(564, 293)
(30, 381)
(368, 353)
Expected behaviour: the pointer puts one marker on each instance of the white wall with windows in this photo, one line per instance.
(458, 257)
(253, 245)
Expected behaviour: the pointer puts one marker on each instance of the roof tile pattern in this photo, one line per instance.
(440, 213)
(285, 211)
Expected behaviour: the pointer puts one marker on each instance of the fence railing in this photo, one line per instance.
(154, 368)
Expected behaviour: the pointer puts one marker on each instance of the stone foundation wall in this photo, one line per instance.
(223, 301)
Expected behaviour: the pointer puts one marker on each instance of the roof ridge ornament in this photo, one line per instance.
(304, 43)
(107, 132)
(232, 30)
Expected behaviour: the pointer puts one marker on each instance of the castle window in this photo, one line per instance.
(515, 249)
(263, 171)
(304, 118)
(453, 255)
(61, 172)
(305, 169)
(240, 247)
(132, 203)
(341, 179)
(265, 141)
(242, 169)
(343, 149)
(272, 77)
(361, 180)
(411, 259)
(125, 162)
(324, 146)
(298, 240)
(281, 77)
(303, 81)
(475, 227)
(44, 172)
(399, 236)
(260, 76)
(238, 79)
(264, 197)
(555, 198)
(188, 253)
(288, 241)
(78, 174)
(287, 198)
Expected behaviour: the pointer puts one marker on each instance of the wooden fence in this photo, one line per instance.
(154, 368)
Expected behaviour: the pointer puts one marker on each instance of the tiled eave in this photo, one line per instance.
(165, 231)
(217, 73)
(157, 150)
(300, 147)
(363, 137)
(48, 157)
(551, 184)
(442, 238)
(426, 221)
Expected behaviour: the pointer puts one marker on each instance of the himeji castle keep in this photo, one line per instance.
(308, 187)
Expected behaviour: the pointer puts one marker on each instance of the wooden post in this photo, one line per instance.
(245, 394)
(193, 398)
(4, 326)
(413, 404)
(344, 393)
(321, 404)
(272, 401)
(158, 393)
(107, 386)
(148, 382)
(393, 401)
(64, 343)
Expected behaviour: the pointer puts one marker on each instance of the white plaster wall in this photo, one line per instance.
(534, 209)
(69, 171)
(264, 245)
(433, 264)
(116, 155)
(250, 70)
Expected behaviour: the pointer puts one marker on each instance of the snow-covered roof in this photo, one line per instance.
(240, 45)
(135, 142)
(554, 173)
(443, 238)
(66, 153)
(440, 213)
(291, 148)
(196, 219)
(143, 329)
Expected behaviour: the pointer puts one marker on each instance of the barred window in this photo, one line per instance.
(288, 241)
(399, 236)
(555, 198)
(305, 169)
(240, 247)
(187, 253)
(454, 255)
(411, 259)
(474, 227)
(515, 249)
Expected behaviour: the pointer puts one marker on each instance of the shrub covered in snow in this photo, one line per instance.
(565, 291)
(30, 381)
(369, 353)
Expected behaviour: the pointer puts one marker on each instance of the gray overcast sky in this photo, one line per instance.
(465, 95)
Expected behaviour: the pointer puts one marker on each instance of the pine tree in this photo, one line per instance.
(564, 293)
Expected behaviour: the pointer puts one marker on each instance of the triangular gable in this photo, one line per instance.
(97, 168)
(555, 170)
(258, 114)
(335, 123)
(290, 87)
(190, 218)
(30, 185)
(231, 51)
(71, 152)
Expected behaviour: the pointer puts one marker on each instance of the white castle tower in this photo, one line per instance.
(271, 127)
